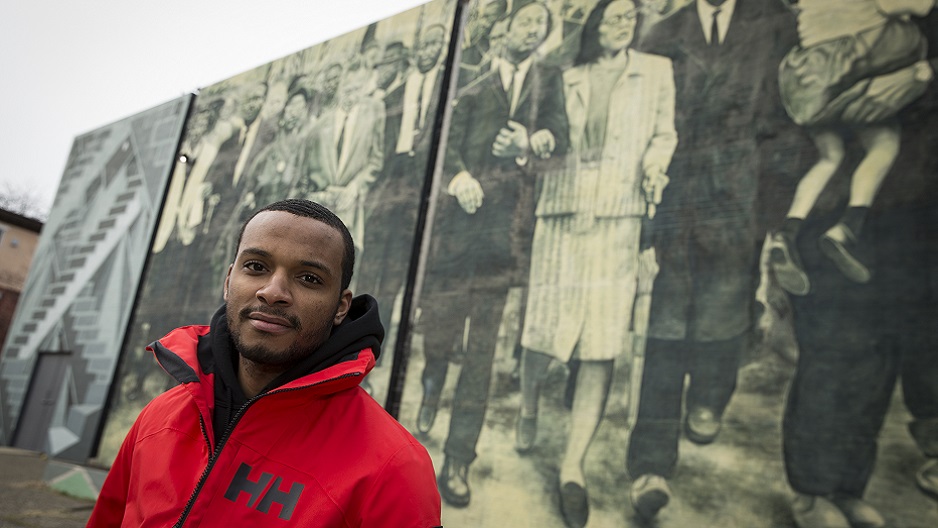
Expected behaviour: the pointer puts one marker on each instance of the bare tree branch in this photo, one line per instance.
(22, 201)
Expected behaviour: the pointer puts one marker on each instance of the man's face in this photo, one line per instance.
(350, 90)
(387, 72)
(284, 290)
(253, 101)
(198, 126)
(330, 81)
(485, 19)
(294, 112)
(617, 27)
(431, 45)
(527, 30)
(497, 38)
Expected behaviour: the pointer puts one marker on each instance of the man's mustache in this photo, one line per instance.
(294, 321)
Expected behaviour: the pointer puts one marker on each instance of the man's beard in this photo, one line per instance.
(303, 347)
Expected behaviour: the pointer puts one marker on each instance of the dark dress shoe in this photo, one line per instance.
(859, 513)
(574, 504)
(839, 245)
(525, 432)
(786, 264)
(649, 494)
(810, 511)
(702, 425)
(453, 482)
(927, 478)
(425, 417)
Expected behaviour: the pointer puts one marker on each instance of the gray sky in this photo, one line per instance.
(69, 67)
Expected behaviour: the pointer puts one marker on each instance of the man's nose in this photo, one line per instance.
(275, 290)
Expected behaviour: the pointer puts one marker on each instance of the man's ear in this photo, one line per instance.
(345, 303)
(227, 279)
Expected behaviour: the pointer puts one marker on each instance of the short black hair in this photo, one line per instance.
(308, 209)
(590, 50)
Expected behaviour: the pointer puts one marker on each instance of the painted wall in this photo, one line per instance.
(83, 282)
(586, 262)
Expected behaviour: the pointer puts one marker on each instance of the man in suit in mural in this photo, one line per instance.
(389, 70)
(325, 97)
(226, 149)
(857, 340)
(506, 122)
(475, 49)
(393, 200)
(342, 155)
(725, 55)
(212, 192)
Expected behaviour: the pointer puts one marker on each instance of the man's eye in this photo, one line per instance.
(309, 277)
(254, 266)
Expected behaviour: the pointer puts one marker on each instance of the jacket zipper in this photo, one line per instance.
(224, 440)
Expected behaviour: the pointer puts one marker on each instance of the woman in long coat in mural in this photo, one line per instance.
(584, 271)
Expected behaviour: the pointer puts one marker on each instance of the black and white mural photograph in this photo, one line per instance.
(640, 263)
(64, 343)
(346, 123)
(680, 267)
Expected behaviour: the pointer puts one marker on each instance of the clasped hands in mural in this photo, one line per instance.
(512, 142)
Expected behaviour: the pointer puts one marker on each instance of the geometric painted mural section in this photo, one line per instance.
(65, 339)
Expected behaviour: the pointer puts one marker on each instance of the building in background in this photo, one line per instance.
(18, 238)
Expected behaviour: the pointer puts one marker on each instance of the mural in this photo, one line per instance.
(650, 263)
(64, 342)
(680, 270)
(347, 123)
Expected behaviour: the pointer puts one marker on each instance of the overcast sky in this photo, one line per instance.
(69, 67)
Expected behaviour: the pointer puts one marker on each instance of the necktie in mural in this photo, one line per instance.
(715, 29)
(510, 90)
(418, 117)
(341, 141)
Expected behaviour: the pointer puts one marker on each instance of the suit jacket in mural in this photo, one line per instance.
(493, 244)
(325, 173)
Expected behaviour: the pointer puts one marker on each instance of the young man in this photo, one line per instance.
(268, 423)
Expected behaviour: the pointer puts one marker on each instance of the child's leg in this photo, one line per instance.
(830, 146)
(881, 143)
(783, 248)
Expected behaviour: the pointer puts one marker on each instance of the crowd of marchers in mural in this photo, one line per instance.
(346, 123)
(624, 165)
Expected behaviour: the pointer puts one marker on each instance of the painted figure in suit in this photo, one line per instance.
(477, 43)
(725, 55)
(209, 197)
(620, 106)
(506, 123)
(342, 155)
(273, 171)
(392, 206)
(389, 70)
(858, 341)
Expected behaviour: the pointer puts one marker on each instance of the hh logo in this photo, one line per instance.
(260, 495)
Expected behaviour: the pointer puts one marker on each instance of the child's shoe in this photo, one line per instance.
(839, 244)
(786, 263)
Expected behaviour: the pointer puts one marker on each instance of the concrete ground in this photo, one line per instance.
(27, 502)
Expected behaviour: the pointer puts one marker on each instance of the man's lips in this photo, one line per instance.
(269, 323)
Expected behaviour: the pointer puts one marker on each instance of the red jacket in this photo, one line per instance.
(315, 452)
